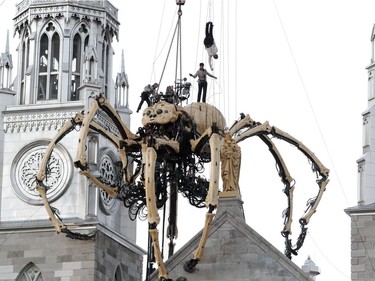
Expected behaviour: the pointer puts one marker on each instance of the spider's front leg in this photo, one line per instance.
(149, 161)
(121, 141)
(149, 156)
(215, 141)
(41, 187)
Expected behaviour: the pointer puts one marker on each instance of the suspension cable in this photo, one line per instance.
(178, 50)
(178, 31)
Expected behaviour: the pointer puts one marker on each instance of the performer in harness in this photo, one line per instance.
(210, 45)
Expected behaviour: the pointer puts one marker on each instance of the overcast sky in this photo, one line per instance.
(298, 64)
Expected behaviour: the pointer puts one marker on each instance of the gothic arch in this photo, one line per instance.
(49, 56)
(24, 63)
(78, 42)
(30, 273)
(106, 46)
(118, 274)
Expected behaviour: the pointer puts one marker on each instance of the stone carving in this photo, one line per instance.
(23, 122)
(26, 165)
(230, 165)
(30, 167)
(93, 10)
(109, 174)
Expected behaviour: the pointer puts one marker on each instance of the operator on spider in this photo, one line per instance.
(145, 95)
(202, 73)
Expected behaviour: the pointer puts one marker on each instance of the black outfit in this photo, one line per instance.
(144, 98)
(209, 39)
(202, 85)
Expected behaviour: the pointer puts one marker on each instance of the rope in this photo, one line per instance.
(235, 59)
(169, 51)
(157, 44)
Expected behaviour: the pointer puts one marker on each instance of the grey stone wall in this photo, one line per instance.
(363, 247)
(63, 259)
(110, 255)
(57, 257)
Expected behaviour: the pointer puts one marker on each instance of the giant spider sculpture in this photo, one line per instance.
(166, 157)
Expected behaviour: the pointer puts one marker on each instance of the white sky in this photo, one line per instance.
(298, 64)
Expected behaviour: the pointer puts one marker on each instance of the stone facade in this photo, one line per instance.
(112, 256)
(362, 242)
(57, 257)
(60, 258)
(65, 58)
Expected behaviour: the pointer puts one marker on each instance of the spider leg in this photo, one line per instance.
(41, 176)
(215, 141)
(149, 158)
(121, 142)
(87, 123)
(66, 129)
(249, 129)
(59, 226)
(112, 113)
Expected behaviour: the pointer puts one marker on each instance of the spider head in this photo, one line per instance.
(160, 113)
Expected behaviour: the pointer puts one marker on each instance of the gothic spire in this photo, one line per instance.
(7, 43)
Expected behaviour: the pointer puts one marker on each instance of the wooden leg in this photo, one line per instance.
(212, 200)
(198, 254)
(153, 215)
(59, 226)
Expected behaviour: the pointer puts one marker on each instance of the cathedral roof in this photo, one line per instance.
(234, 251)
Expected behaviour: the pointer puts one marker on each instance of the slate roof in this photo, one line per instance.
(234, 251)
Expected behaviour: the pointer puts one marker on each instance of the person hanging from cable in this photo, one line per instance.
(202, 81)
(210, 45)
(145, 95)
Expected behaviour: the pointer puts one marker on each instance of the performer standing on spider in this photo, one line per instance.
(202, 82)
(210, 45)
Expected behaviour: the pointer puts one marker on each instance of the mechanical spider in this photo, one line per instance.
(167, 154)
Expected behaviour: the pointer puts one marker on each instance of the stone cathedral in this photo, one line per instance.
(64, 57)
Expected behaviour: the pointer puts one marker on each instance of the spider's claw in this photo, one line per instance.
(189, 266)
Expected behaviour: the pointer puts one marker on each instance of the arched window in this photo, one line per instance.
(30, 273)
(24, 65)
(105, 64)
(76, 67)
(118, 275)
(79, 42)
(49, 64)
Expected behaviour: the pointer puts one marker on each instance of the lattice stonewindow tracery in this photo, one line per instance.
(26, 166)
(111, 175)
(31, 273)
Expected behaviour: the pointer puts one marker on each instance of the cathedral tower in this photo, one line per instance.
(363, 215)
(65, 57)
